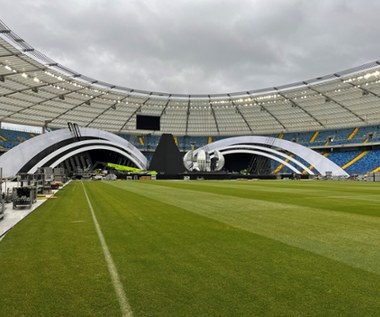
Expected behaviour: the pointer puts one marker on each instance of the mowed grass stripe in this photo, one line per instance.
(321, 194)
(126, 310)
(51, 264)
(179, 263)
(303, 185)
(311, 189)
(350, 238)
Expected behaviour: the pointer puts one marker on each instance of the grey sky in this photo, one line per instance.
(200, 46)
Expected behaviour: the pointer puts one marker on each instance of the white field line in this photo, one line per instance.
(125, 308)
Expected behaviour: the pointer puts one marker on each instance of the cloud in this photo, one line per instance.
(200, 46)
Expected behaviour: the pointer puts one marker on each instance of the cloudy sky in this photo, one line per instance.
(200, 46)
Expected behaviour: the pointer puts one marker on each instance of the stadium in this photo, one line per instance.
(205, 217)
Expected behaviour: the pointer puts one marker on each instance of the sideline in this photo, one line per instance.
(125, 308)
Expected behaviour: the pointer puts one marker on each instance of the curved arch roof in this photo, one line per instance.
(36, 90)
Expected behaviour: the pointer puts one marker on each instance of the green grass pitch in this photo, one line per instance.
(198, 248)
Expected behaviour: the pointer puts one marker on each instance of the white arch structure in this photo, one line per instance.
(247, 144)
(263, 151)
(75, 148)
(21, 155)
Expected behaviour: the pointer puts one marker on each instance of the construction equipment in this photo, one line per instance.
(23, 196)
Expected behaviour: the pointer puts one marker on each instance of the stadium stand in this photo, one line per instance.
(10, 138)
(367, 163)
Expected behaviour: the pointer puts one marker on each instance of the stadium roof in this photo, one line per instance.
(35, 90)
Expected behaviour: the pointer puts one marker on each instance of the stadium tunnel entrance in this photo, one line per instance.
(88, 161)
(246, 163)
